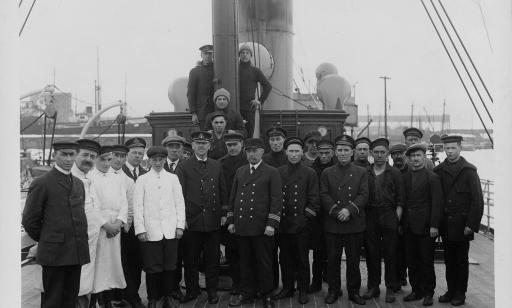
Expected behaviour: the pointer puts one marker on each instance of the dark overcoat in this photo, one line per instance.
(344, 187)
(464, 203)
(301, 198)
(423, 202)
(275, 159)
(204, 189)
(200, 90)
(256, 200)
(54, 216)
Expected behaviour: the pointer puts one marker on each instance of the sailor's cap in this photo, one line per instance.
(135, 142)
(413, 131)
(380, 141)
(88, 144)
(201, 136)
(451, 138)
(155, 151)
(293, 140)
(276, 131)
(344, 140)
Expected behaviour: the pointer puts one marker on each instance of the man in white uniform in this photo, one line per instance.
(111, 193)
(159, 221)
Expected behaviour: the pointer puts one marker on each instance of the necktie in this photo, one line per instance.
(253, 169)
(135, 174)
(172, 166)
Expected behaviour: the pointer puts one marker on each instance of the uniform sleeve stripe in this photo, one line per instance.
(274, 217)
(310, 211)
(332, 208)
(354, 205)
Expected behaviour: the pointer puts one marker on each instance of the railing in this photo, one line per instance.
(488, 194)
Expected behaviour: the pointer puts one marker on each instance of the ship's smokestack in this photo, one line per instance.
(269, 22)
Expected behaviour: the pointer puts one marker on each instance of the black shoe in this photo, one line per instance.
(177, 295)
(371, 293)
(356, 298)
(169, 302)
(390, 296)
(458, 300)
(445, 298)
(413, 296)
(316, 285)
(303, 297)
(268, 302)
(152, 303)
(240, 300)
(332, 297)
(284, 293)
(188, 297)
(428, 300)
(213, 298)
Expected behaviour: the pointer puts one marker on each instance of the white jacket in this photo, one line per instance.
(158, 205)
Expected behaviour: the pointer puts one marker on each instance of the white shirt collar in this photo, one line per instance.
(169, 162)
(256, 165)
(199, 159)
(131, 167)
(66, 172)
(77, 172)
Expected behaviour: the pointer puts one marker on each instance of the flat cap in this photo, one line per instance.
(218, 114)
(276, 131)
(415, 147)
(173, 139)
(313, 135)
(105, 149)
(344, 140)
(120, 148)
(362, 140)
(293, 140)
(65, 146)
(135, 142)
(88, 144)
(206, 48)
(325, 144)
(451, 138)
(156, 151)
(201, 136)
(234, 136)
(254, 143)
(399, 147)
(380, 141)
(413, 131)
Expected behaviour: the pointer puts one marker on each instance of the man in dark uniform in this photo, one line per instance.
(462, 214)
(421, 220)
(276, 157)
(397, 153)
(361, 152)
(319, 267)
(130, 246)
(204, 188)
(344, 195)
(230, 164)
(249, 78)
(54, 216)
(200, 87)
(218, 121)
(383, 214)
(310, 141)
(175, 145)
(254, 214)
(300, 206)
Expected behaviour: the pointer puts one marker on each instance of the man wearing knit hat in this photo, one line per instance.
(234, 121)
(249, 77)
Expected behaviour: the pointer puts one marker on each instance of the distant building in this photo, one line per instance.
(32, 106)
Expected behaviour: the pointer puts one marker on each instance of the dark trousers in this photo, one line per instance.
(381, 236)
(256, 264)
(232, 256)
(61, 285)
(178, 272)
(294, 259)
(420, 261)
(319, 267)
(401, 262)
(159, 284)
(208, 243)
(457, 266)
(131, 258)
(335, 243)
(248, 115)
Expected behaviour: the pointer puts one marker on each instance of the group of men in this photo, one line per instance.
(101, 219)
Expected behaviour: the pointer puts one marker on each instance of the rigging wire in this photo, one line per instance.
(457, 71)
(32, 123)
(464, 47)
(461, 60)
(26, 18)
(279, 92)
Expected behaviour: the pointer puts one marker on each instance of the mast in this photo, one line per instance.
(442, 121)
(385, 106)
(412, 113)
(368, 120)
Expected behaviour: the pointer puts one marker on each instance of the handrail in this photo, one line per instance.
(488, 196)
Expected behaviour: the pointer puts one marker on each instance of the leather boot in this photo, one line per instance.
(284, 293)
(446, 297)
(356, 298)
(390, 296)
(303, 297)
(371, 293)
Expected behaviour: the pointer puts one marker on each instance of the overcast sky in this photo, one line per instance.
(155, 42)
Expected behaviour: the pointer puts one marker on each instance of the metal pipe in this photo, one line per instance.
(96, 116)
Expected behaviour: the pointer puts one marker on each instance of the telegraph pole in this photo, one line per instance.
(385, 106)
(368, 120)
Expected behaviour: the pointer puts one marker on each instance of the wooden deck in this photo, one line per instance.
(480, 290)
